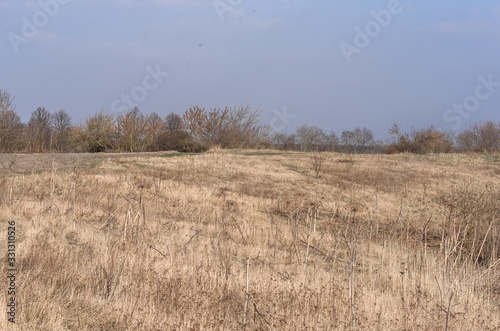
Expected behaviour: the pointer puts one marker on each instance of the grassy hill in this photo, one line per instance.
(262, 240)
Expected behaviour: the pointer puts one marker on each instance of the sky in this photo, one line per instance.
(329, 63)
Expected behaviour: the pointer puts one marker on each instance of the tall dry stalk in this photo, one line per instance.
(247, 295)
(354, 240)
(351, 247)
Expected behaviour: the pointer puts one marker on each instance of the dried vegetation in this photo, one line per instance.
(225, 240)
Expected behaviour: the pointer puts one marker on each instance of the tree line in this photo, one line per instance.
(198, 129)
(131, 131)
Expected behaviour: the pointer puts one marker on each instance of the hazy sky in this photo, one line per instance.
(333, 64)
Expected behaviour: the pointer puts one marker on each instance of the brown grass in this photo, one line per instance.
(160, 243)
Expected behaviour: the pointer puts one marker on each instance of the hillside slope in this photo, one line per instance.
(271, 240)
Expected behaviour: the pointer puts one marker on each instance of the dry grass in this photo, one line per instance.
(160, 243)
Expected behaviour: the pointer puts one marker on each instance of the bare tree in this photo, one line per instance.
(363, 138)
(423, 141)
(61, 123)
(480, 138)
(39, 131)
(333, 142)
(173, 122)
(236, 127)
(11, 131)
(6, 101)
(11, 127)
(348, 139)
(283, 141)
(136, 131)
(243, 129)
(155, 126)
(290, 142)
(311, 138)
(206, 127)
(98, 134)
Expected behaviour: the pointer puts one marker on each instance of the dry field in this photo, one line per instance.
(231, 240)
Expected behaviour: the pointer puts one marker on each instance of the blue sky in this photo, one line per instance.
(275, 55)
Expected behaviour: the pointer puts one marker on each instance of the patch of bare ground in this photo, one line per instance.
(234, 240)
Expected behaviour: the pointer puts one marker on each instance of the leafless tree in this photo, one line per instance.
(98, 134)
(480, 138)
(206, 127)
(155, 126)
(236, 127)
(173, 122)
(11, 128)
(243, 129)
(364, 138)
(333, 142)
(348, 139)
(283, 141)
(311, 138)
(61, 123)
(423, 141)
(135, 131)
(6, 101)
(39, 136)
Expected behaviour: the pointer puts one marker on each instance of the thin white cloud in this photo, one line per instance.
(476, 25)
(49, 37)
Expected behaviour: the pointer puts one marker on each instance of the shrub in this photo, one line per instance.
(136, 132)
(98, 134)
(480, 138)
(423, 141)
(236, 127)
(179, 141)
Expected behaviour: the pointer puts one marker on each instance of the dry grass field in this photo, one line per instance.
(231, 240)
